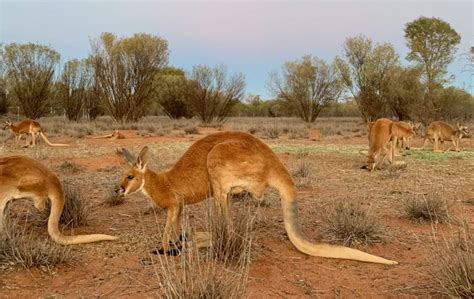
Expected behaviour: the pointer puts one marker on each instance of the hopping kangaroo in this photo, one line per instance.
(114, 135)
(29, 126)
(440, 131)
(216, 166)
(22, 177)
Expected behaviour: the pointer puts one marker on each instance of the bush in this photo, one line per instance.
(350, 223)
(423, 208)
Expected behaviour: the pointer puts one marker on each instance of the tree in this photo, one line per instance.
(76, 80)
(308, 85)
(30, 70)
(3, 97)
(405, 92)
(211, 92)
(171, 94)
(364, 71)
(456, 104)
(432, 43)
(124, 71)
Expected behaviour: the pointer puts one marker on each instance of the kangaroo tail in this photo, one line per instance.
(57, 205)
(49, 143)
(287, 192)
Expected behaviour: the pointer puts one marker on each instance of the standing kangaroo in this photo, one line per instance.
(439, 131)
(217, 165)
(29, 126)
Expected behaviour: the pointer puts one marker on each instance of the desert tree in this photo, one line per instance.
(30, 70)
(73, 86)
(432, 43)
(364, 70)
(124, 71)
(404, 93)
(171, 92)
(308, 85)
(211, 92)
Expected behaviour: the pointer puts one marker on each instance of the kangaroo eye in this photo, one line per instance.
(130, 177)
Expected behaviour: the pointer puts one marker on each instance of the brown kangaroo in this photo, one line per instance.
(216, 166)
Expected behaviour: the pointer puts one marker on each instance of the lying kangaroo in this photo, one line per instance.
(216, 166)
(22, 177)
(114, 135)
(439, 131)
(29, 126)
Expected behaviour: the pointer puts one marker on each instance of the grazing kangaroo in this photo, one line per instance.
(440, 131)
(22, 177)
(114, 135)
(29, 126)
(218, 165)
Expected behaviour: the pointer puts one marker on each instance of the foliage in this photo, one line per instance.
(307, 85)
(405, 92)
(364, 71)
(30, 70)
(124, 71)
(432, 43)
(73, 86)
(170, 87)
(3, 97)
(211, 92)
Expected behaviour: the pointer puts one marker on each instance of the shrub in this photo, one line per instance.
(350, 223)
(423, 208)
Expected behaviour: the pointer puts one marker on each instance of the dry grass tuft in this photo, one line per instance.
(427, 208)
(302, 170)
(112, 198)
(271, 132)
(20, 248)
(220, 271)
(70, 168)
(76, 210)
(350, 224)
(191, 130)
(452, 263)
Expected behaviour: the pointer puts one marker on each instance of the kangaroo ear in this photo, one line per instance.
(128, 157)
(142, 159)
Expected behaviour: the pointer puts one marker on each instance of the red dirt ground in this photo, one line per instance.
(123, 269)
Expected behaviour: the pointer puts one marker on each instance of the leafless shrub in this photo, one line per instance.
(350, 223)
(297, 133)
(452, 262)
(427, 208)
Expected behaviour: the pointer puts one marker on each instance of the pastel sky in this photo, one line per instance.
(252, 37)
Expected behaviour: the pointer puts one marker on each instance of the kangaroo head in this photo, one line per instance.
(8, 124)
(133, 179)
(370, 163)
(464, 130)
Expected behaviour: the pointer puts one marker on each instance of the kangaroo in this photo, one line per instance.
(114, 135)
(401, 131)
(379, 143)
(439, 131)
(29, 126)
(217, 165)
(22, 177)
